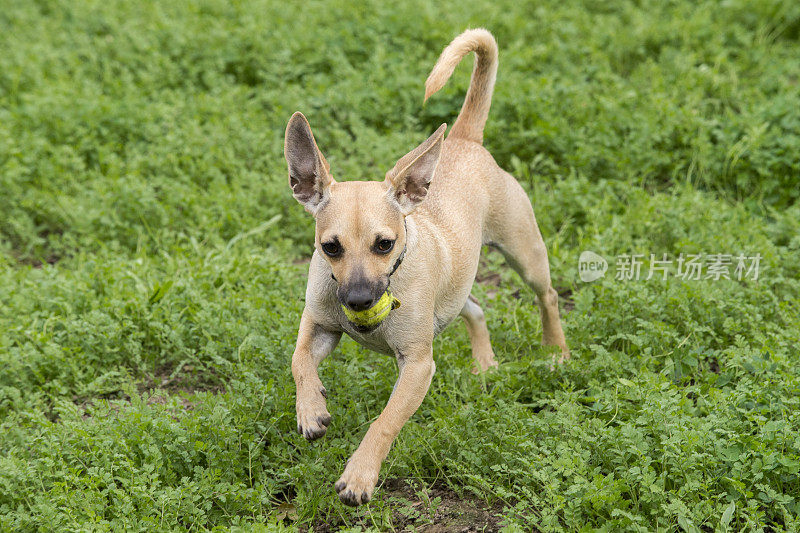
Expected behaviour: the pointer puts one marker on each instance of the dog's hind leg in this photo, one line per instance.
(514, 232)
(482, 351)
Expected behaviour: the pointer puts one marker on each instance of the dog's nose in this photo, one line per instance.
(359, 300)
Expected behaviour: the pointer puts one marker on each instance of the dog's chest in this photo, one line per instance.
(393, 332)
(373, 340)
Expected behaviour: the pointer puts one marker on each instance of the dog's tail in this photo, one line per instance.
(475, 111)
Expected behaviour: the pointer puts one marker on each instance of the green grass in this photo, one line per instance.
(152, 275)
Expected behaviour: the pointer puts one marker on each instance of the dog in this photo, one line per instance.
(419, 230)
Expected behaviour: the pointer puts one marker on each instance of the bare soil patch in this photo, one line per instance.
(437, 509)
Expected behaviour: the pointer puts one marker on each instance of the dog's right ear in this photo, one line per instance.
(309, 172)
(411, 176)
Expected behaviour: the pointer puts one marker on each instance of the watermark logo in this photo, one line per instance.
(635, 267)
(591, 266)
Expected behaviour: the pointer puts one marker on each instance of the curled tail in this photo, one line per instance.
(475, 111)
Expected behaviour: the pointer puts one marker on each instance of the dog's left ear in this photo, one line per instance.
(411, 176)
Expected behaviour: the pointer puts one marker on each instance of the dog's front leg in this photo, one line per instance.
(361, 473)
(314, 343)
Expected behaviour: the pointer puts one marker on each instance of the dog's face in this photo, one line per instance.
(360, 225)
(361, 234)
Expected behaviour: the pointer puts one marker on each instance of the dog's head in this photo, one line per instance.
(360, 225)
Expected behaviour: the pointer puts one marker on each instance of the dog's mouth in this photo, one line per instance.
(368, 319)
(363, 329)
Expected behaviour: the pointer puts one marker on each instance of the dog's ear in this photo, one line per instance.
(411, 176)
(309, 172)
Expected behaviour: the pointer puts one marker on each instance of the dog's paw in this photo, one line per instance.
(560, 358)
(563, 357)
(313, 418)
(357, 483)
(483, 362)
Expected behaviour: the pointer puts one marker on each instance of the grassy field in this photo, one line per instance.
(153, 264)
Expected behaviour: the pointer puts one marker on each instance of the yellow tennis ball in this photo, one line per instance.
(375, 314)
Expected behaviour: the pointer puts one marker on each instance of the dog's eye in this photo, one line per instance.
(332, 249)
(384, 246)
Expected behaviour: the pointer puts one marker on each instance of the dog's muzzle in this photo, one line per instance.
(371, 318)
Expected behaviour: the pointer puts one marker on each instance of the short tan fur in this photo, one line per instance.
(438, 205)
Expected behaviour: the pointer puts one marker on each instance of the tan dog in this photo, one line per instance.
(439, 204)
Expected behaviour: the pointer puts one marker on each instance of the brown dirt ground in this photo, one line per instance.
(450, 512)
